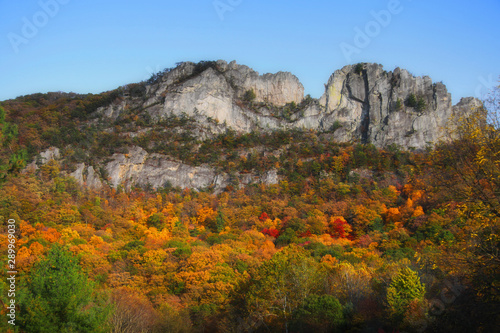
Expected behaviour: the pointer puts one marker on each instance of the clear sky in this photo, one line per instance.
(98, 45)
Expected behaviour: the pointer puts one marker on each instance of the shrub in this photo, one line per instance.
(249, 95)
(411, 101)
(421, 105)
(136, 90)
(271, 232)
(416, 102)
(399, 253)
(399, 104)
(286, 237)
(134, 245)
(157, 220)
(358, 69)
(335, 126)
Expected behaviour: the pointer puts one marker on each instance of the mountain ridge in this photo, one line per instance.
(165, 131)
(218, 93)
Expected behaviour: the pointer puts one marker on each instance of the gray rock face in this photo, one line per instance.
(362, 103)
(53, 153)
(216, 94)
(209, 94)
(465, 105)
(375, 106)
(86, 175)
(276, 89)
(138, 168)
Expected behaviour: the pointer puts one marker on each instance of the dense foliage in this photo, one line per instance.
(353, 238)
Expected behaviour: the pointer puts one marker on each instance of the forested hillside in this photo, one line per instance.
(352, 238)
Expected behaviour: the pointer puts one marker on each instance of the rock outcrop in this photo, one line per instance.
(276, 89)
(53, 153)
(362, 103)
(371, 105)
(139, 168)
(216, 94)
(86, 175)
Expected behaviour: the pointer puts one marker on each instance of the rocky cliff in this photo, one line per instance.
(215, 92)
(362, 103)
(383, 108)
(138, 168)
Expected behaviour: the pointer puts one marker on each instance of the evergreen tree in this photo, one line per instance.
(405, 288)
(319, 313)
(58, 297)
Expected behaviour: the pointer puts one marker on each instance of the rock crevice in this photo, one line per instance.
(361, 103)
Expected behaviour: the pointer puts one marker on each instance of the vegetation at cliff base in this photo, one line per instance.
(352, 238)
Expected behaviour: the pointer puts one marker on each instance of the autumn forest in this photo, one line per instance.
(353, 238)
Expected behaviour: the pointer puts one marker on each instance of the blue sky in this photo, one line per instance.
(94, 46)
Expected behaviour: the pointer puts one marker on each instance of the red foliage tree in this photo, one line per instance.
(340, 228)
(263, 216)
(271, 232)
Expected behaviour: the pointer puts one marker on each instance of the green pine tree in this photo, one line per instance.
(404, 289)
(220, 222)
(58, 297)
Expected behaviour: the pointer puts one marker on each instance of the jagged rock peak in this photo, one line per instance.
(361, 103)
(372, 105)
(277, 89)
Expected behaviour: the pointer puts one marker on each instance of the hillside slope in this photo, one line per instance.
(175, 128)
